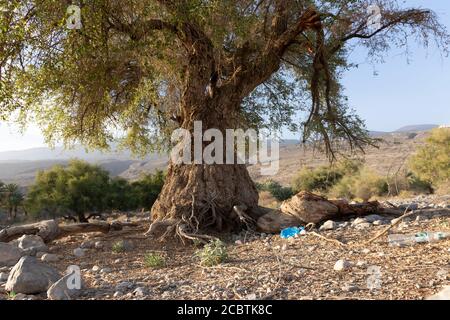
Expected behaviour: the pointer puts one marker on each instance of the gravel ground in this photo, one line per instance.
(267, 267)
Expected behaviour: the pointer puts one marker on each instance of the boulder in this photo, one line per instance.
(328, 225)
(62, 290)
(31, 244)
(30, 276)
(442, 295)
(309, 208)
(9, 254)
(48, 257)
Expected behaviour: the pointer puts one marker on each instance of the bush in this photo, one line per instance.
(213, 253)
(276, 190)
(363, 185)
(118, 247)
(77, 189)
(323, 178)
(431, 163)
(368, 184)
(154, 260)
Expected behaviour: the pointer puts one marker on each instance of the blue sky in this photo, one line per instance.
(400, 94)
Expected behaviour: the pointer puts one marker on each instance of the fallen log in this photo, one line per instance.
(306, 207)
(49, 230)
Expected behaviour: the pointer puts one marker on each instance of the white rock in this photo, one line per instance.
(140, 292)
(358, 221)
(442, 295)
(9, 254)
(79, 252)
(342, 265)
(48, 257)
(238, 242)
(328, 225)
(30, 276)
(251, 296)
(95, 268)
(363, 226)
(61, 290)
(99, 245)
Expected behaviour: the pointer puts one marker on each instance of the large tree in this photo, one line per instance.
(141, 68)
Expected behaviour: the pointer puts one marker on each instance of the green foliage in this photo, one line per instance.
(83, 188)
(213, 253)
(146, 190)
(126, 69)
(323, 178)
(431, 163)
(154, 260)
(276, 190)
(118, 246)
(77, 189)
(11, 197)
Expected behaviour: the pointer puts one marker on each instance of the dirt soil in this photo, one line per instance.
(268, 267)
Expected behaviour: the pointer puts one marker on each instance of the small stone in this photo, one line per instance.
(40, 254)
(342, 265)
(363, 226)
(373, 217)
(238, 242)
(124, 286)
(48, 257)
(117, 294)
(251, 296)
(358, 221)
(88, 244)
(22, 296)
(139, 292)
(378, 223)
(350, 288)
(106, 270)
(79, 252)
(4, 276)
(95, 268)
(328, 225)
(361, 263)
(99, 245)
(117, 261)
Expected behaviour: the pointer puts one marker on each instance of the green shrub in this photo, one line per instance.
(363, 185)
(213, 253)
(431, 163)
(118, 247)
(276, 190)
(368, 184)
(323, 178)
(154, 260)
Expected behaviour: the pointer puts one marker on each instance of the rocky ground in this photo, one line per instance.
(259, 266)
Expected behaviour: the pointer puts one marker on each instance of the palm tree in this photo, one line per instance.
(12, 198)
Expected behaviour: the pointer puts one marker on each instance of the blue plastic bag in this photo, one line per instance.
(290, 232)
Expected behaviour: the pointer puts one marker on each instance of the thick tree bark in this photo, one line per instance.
(205, 195)
(202, 196)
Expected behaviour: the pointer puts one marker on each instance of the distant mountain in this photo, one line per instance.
(417, 128)
(21, 166)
